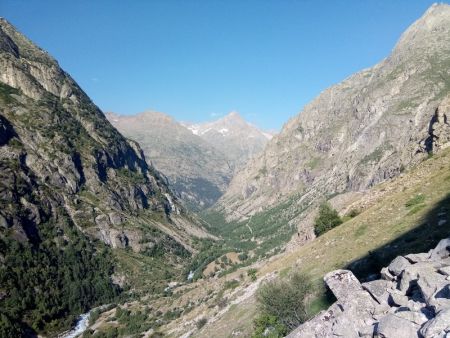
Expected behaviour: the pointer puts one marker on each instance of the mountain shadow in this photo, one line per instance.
(432, 227)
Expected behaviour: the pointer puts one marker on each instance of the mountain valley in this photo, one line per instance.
(157, 228)
(199, 160)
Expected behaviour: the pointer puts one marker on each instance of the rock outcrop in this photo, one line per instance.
(411, 300)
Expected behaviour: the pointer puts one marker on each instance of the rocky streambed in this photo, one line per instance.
(412, 299)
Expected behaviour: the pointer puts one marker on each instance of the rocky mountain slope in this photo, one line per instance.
(392, 221)
(362, 131)
(196, 170)
(233, 136)
(71, 187)
(412, 299)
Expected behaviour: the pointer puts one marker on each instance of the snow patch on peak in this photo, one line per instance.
(267, 135)
(193, 129)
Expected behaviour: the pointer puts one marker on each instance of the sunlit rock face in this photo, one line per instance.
(364, 130)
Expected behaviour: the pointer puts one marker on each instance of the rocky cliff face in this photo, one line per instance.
(197, 171)
(233, 136)
(58, 146)
(355, 134)
(68, 182)
(411, 300)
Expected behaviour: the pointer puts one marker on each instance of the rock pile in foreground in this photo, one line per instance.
(411, 300)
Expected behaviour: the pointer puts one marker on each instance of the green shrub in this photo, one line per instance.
(353, 213)
(231, 284)
(201, 322)
(418, 199)
(327, 219)
(268, 326)
(252, 274)
(284, 302)
(243, 256)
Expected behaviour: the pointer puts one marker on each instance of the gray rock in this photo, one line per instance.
(342, 283)
(442, 250)
(441, 299)
(102, 220)
(421, 291)
(115, 218)
(386, 275)
(367, 331)
(445, 270)
(397, 299)
(437, 326)
(393, 326)
(420, 257)
(416, 317)
(377, 289)
(410, 275)
(398, 265)
(430, 284)
(320, 326)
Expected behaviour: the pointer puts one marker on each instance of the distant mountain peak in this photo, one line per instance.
(233, 117)
(232, 135)
(234, 114)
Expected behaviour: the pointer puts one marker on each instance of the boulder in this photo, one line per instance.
(437, 326)
(398, 265)
(429, 285)
(393, 325)
(441, 299)
(378, 289)
(397, 299)
(412, 300)
(442, 250)
(419, 257)
(342, 283)
(386, 275)
(416, 317)
(410, 275)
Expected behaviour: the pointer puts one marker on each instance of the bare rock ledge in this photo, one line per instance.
(411, 300)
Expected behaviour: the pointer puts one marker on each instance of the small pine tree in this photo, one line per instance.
(327, 219)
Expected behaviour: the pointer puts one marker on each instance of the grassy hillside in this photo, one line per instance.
(405, 215)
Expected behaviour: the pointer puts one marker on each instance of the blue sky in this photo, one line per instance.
(196, 60)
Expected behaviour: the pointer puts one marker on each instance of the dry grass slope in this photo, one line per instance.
(408, 214)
